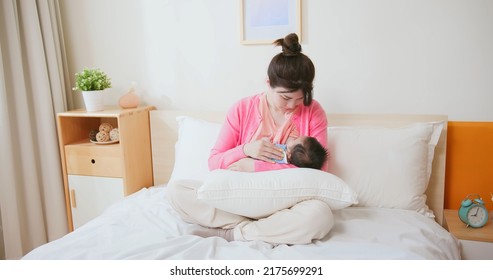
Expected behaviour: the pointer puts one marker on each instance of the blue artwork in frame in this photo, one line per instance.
(263, 21)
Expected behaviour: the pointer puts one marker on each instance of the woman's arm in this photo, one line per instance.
(228, 148)
(252, 165)
(242, 121)
(225, 152)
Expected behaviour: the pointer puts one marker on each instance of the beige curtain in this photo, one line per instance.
(32, 91)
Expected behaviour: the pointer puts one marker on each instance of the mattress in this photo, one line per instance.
(143, 226)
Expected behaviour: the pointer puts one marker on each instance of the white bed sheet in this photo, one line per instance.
(144, 226)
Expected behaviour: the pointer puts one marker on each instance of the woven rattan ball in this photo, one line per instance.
(102, 136)
(105, 127)
(92, 135)
(114, 134)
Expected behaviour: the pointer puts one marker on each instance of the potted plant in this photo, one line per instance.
(92, 83)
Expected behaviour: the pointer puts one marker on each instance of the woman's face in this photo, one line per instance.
(285, 100)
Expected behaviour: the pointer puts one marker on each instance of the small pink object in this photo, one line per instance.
(129, 99)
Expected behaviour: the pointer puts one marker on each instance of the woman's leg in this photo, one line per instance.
(301, 224)
(182, 194)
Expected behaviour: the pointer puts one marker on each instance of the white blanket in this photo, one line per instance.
(144, 226)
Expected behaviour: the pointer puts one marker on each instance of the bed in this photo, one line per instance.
(398, 182)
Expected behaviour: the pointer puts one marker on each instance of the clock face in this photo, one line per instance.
(477, 216)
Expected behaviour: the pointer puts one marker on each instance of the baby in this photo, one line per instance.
(303, 151)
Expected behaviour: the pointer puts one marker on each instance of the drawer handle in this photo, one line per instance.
(93, 161)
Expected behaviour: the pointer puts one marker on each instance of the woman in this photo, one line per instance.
(247, 143)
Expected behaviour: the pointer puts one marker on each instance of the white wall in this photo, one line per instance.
(372, 56)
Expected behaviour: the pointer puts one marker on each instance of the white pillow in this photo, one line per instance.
(259, 194)
(195, 140)
(387, 167)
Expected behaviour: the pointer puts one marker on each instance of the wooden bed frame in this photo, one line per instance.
(164, 133)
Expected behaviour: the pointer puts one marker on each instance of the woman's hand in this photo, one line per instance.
(264, 150)
(244, 164)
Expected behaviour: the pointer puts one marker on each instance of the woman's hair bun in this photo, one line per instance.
(290, 45)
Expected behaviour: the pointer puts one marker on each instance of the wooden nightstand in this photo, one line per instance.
(97, 175)
(476, 243)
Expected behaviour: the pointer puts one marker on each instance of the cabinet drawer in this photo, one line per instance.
(93, 160)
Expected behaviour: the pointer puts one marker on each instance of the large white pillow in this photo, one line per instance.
(259, 194)
(387, 167)
(196, 138)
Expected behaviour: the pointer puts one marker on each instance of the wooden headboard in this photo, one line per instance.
(164, 133)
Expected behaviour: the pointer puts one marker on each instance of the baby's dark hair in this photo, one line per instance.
(291, 69)
(310, 154)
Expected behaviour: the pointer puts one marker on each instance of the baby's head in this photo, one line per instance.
(306, 151)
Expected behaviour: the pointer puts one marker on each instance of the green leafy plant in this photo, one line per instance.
(91, 79)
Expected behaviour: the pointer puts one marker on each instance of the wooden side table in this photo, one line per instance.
(476, 243)
(97, 175)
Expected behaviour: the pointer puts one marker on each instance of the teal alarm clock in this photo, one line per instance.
(473, 212)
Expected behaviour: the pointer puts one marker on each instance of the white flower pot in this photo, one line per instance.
(94, 100)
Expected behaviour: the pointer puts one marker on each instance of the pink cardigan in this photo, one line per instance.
(243, 119)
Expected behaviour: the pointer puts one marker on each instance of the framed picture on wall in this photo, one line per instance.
(264, 21)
